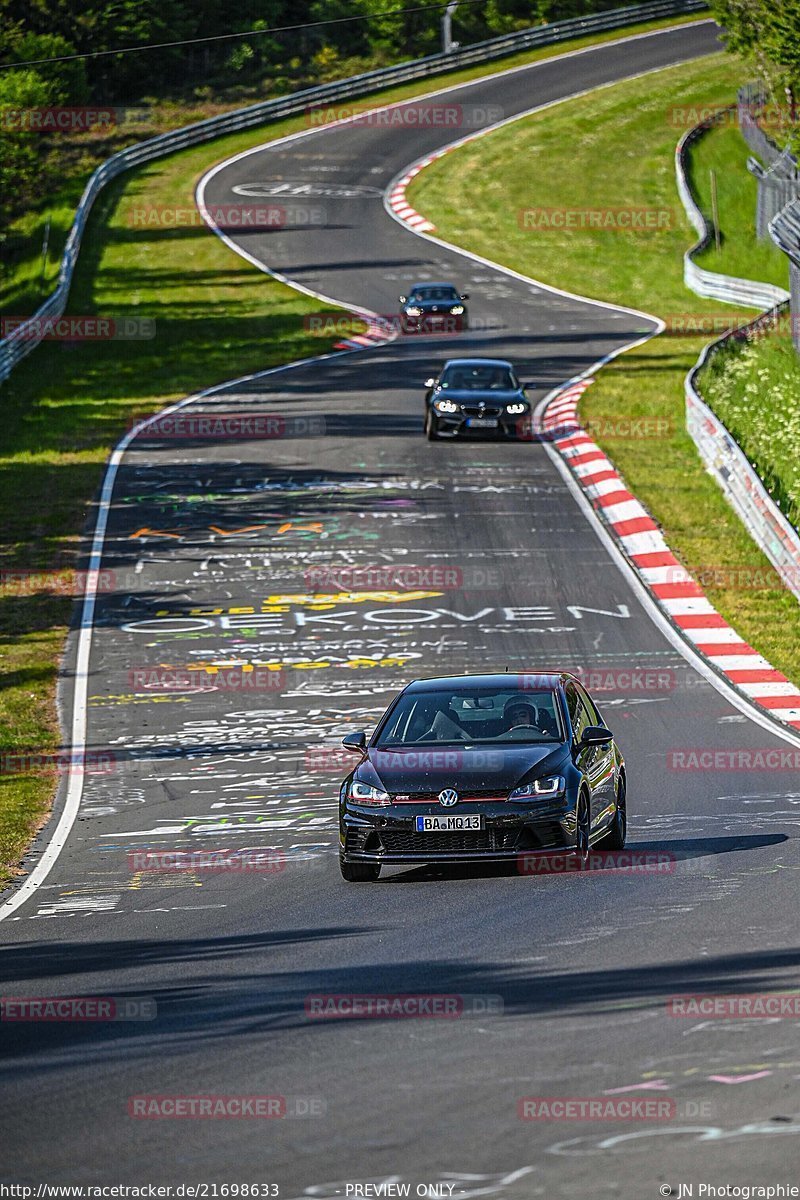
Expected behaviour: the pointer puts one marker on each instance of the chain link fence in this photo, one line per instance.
(713, 285)
(777, 173)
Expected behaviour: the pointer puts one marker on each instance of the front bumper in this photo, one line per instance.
(388, 835)
(512, 428)
(436, 323)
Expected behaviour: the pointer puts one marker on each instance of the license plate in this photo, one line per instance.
(482, 422)
(448, 824)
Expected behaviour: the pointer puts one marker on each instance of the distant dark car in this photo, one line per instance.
(482, 767)
(476, 395)
(433, 308)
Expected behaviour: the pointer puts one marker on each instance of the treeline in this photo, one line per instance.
(325, 44)
(373, 31)
(766, 34)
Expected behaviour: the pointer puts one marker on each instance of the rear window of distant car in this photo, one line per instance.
(484, 378)
(484, 715)
(435, 293)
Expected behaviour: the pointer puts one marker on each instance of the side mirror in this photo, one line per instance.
(596, 735)
(430, 382)
(402, 299)
(355, 742)
(465, 295)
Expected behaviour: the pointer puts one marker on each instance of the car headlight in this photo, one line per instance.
(515, 409)
(413, 311)
(548, 785)
(446, 406)
(457, 310)
(362, 793)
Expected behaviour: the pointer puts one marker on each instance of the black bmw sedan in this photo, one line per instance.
(433, 308)
(482, 767)
(476, 396)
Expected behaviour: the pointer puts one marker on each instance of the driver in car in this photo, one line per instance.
(519, 714)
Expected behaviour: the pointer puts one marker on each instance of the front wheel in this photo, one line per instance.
(359, 872)
(431, 430)
(615, 838)
(583, 831)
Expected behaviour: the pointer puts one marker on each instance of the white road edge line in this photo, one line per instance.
(77, 743)
(732, 694)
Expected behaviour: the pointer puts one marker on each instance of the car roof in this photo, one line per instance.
(478, 362)
(433, 283)
(521, 680)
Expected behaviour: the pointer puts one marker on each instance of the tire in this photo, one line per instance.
(583, 828)
(359, 872)
(615, 838)
(431, 431)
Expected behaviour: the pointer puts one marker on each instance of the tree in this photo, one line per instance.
(21, 93)
(766, 33)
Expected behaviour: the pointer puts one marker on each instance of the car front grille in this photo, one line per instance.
(472, 410)
(485, 840)
(463, 797)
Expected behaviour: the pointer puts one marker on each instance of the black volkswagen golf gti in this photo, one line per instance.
(482, 767)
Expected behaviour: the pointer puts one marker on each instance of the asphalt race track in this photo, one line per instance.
(210, 549)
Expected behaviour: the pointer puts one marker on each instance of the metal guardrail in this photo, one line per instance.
(713, 285)
(723, 457)
(727, 463)
(785, 233)
(29, 334)
(778, 185)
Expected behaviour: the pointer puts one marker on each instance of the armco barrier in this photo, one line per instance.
(785, 233)
(711, 284)
(728, 464)
(15, 348)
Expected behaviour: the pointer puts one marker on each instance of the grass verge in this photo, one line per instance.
(619, 144)
(754, 388)
(724, 151)
(64, 408)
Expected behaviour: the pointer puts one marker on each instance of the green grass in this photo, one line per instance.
(754, 388)
(724, 151)
(216, 316)
(23, 284)
(618, 144)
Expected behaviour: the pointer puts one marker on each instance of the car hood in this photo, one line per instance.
(431, 766)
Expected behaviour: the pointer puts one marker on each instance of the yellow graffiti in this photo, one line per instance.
(276, 665)
(282, 602)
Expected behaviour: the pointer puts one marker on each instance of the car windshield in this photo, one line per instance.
(435, 293)
(481, 715)
(486, 377)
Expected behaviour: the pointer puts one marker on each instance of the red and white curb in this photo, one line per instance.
(396, 199)
(675, 591)
(400, 206)
(377, 333)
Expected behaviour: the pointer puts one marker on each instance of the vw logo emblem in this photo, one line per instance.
(448, 798)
